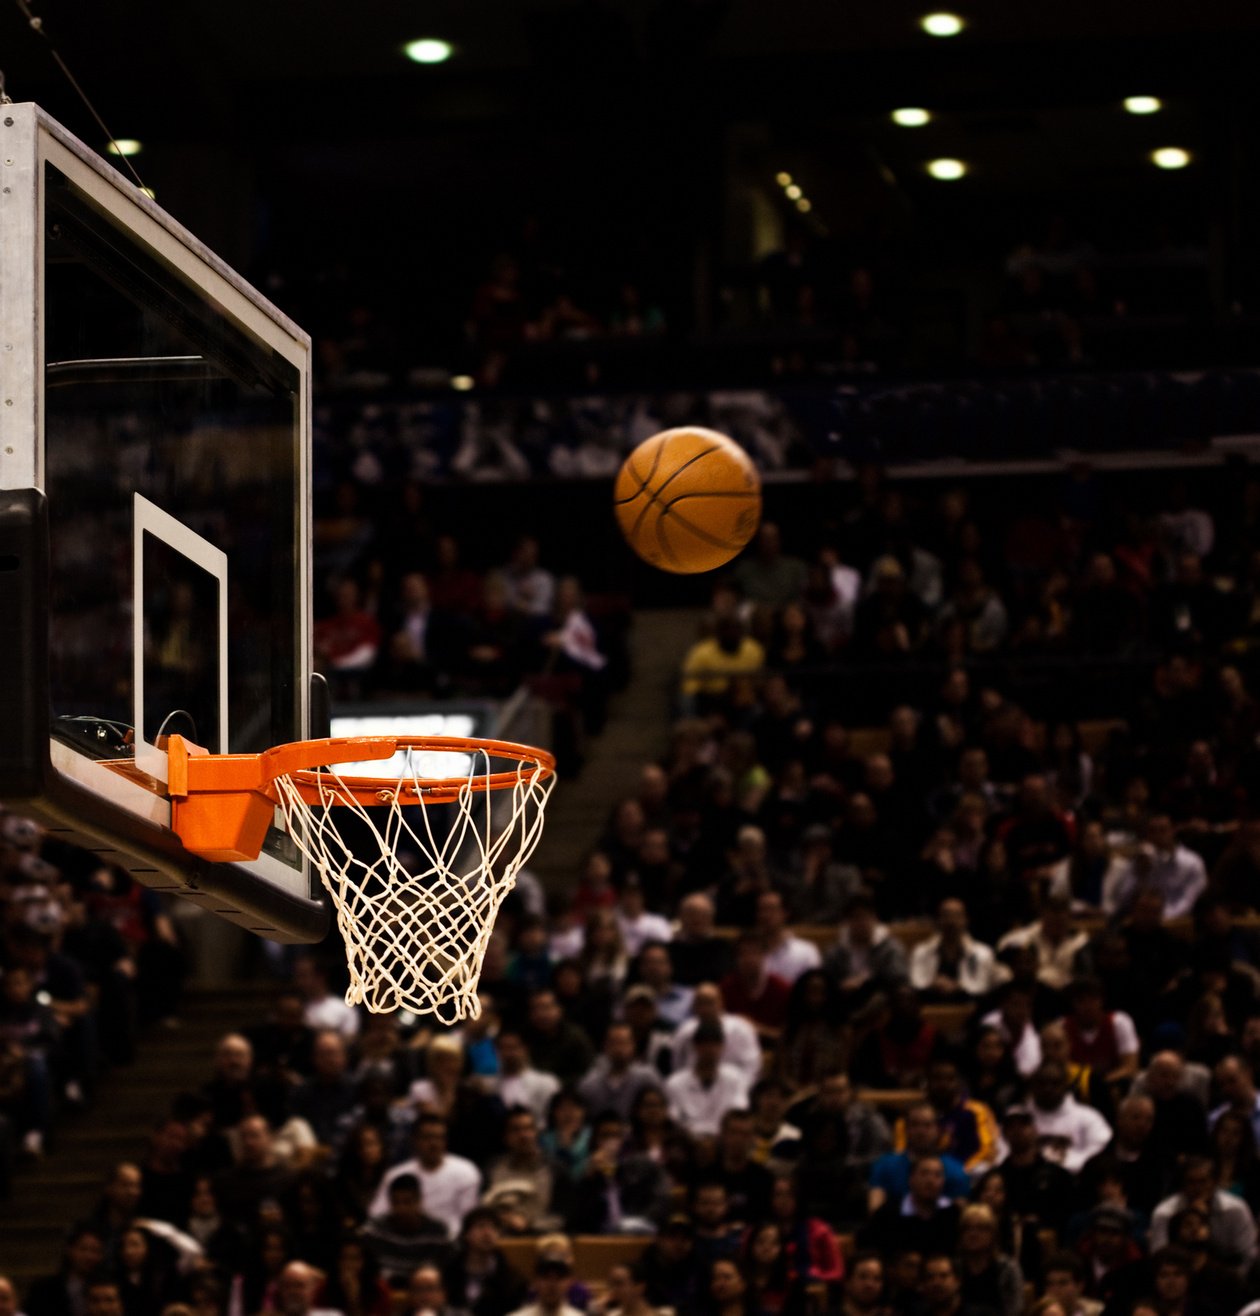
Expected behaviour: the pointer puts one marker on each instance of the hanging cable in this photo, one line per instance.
(37, 26)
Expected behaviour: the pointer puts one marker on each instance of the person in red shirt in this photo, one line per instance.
(752, 991)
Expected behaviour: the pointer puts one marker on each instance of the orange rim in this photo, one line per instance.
(316, 787)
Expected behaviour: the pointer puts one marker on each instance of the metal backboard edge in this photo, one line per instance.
(78, 815)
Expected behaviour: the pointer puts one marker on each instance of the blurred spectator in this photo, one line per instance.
(449, 1184)
(697, 953)
(517, 1082)
(616, 1079)
(890, 1174)
(952, 965)
(787, 955)
(741, 1047)
(1070, 1133)
(403, 1236)
(321, 1009)
(702, 1093)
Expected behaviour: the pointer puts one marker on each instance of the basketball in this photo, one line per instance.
(687, 500)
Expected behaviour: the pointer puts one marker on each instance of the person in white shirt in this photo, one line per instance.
(516, 1083)
(787, 956)
(1177, 873)
(1053, 940)
(1069, 1132)
(450, 1184)
(952, 963)
(320, 1008)
(638, 925)
(741, 1047)
(701, 1094)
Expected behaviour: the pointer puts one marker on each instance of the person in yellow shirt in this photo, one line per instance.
(711, 663)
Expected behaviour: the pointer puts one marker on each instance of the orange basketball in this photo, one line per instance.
(687, 500)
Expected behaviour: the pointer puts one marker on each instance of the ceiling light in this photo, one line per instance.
(1170, 157)
(946, 170)
(124, 146)
(461, 383)
(911, 118)
(793, 192)
(428, 50)
(804, 205)
(783, 179)
(1143, 104)
(941, 25)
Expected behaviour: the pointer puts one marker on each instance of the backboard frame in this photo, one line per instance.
(74, 796)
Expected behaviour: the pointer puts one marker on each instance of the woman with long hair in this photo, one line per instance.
(1234, 1154)
(772, 1288)
(810, 1245)
(727, 1290)
(654, 1134)
(1013, 1238)
(816, 1037)
(992, 1076)
(354, 1285)
(360, 1170)
(567, 1137)
(603, 958)
(145, 1283)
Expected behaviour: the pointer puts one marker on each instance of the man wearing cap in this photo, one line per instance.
(653, 1037)
(617, 1078)
(1038, 1192)
(552, 1277)
(1115, 1270)
(671, 1270)
(741, 1046)
(702, 1093)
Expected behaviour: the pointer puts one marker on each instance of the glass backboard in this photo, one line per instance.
(154, 513)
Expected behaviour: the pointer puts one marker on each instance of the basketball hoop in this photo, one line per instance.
(415, 902)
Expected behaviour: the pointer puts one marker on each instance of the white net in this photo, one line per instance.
(416, 885)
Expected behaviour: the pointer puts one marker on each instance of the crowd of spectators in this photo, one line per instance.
(959, 1013)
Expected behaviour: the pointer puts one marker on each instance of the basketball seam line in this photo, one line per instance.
(645, 480)
(654, 495)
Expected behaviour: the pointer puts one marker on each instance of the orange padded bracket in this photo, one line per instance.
(223, 804)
